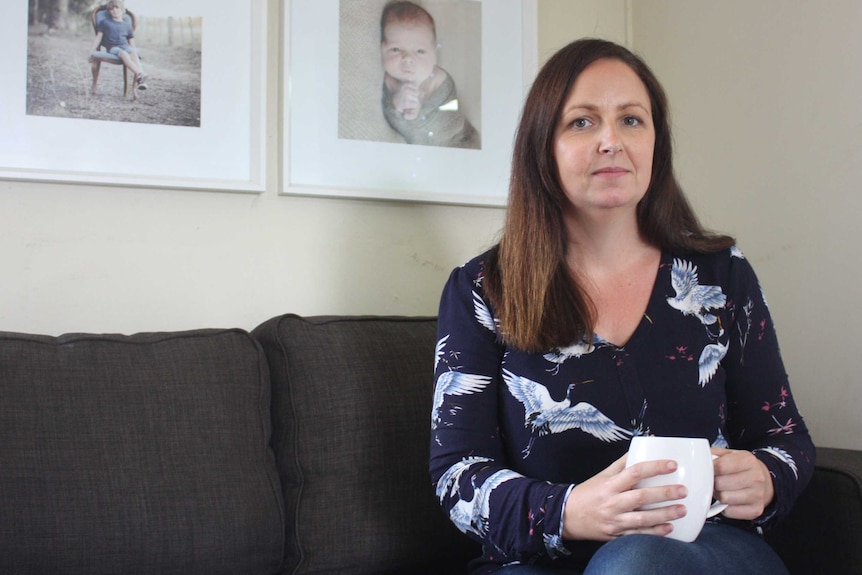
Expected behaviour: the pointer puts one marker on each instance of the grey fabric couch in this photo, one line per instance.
(298, 448)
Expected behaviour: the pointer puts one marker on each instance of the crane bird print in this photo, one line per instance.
(451, 478)
(438, 350)
(472, 514)
(559, 355)
(483, 314)
(782, 456)
(454, 383)
(544, 416)
(692, 298)
(710, 357)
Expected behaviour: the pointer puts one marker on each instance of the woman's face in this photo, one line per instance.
(605, 139)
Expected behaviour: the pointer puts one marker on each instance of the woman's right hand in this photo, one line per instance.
(606, 505)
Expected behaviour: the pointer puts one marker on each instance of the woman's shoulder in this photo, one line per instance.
(469, 277)
(474, 268)
(722, 267)
(719, 258)
(478, 262)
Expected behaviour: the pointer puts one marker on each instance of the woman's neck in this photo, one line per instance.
(608, 245)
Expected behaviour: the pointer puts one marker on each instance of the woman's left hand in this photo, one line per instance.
(743, 482)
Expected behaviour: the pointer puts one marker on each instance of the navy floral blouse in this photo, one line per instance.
(513, 432)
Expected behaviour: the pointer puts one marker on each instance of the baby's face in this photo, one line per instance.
(409, 51)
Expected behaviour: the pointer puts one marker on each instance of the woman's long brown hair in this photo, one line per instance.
(537, 300)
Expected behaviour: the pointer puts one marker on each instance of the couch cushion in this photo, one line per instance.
(137, 454)
(351, 431)
(822, 532)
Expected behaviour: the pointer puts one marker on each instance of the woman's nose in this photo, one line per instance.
(610, 142)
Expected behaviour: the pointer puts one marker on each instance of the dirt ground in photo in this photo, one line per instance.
(59, 79)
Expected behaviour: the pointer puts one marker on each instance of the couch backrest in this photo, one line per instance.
(351, 429)
(178, 453)
(137, 454)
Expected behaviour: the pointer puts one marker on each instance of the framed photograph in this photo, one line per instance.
(153, 93)
(417, 101)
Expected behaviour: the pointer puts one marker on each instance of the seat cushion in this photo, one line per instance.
(351, 431)
(822, 532)
(137, 454)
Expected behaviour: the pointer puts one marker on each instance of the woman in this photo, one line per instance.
(606, 311)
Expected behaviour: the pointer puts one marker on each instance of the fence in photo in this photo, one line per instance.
(171, 31)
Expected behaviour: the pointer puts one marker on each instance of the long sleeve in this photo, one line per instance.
(761, 413)
(515, 517)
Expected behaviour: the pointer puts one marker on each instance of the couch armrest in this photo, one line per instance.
(823, 532)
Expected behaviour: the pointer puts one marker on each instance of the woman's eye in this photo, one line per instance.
(581, 123)
(631, 121)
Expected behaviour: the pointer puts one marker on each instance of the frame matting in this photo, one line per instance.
(225, 152)
(319, 159)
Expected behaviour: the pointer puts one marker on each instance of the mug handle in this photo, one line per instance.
(717, 506)
(715, 509)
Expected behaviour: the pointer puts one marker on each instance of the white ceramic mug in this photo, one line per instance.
(694, 470)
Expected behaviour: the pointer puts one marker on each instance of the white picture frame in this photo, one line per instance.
(226, 151)
(319, 160)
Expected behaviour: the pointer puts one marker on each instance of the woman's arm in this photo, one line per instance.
(516, 516)
(762, 417)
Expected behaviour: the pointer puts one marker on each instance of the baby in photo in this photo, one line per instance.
(419, 97)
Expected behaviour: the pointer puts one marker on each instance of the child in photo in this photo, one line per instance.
(117, 36)
(419, 97)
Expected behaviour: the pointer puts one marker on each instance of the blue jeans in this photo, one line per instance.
(719, 549)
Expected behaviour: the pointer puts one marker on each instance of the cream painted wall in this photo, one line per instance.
(561, 21)
(768, 127)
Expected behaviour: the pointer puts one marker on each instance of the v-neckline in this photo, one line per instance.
(645, 321)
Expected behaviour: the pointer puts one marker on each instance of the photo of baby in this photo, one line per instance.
(419, 97)
(399, 65)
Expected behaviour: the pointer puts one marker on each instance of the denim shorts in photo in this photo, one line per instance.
(115, 50)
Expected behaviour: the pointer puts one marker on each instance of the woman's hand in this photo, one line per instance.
(743, 482)
(606, 505)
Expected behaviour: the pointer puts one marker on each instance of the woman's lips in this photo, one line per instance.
(611, 171)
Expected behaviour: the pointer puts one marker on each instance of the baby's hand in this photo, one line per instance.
(406, 101)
